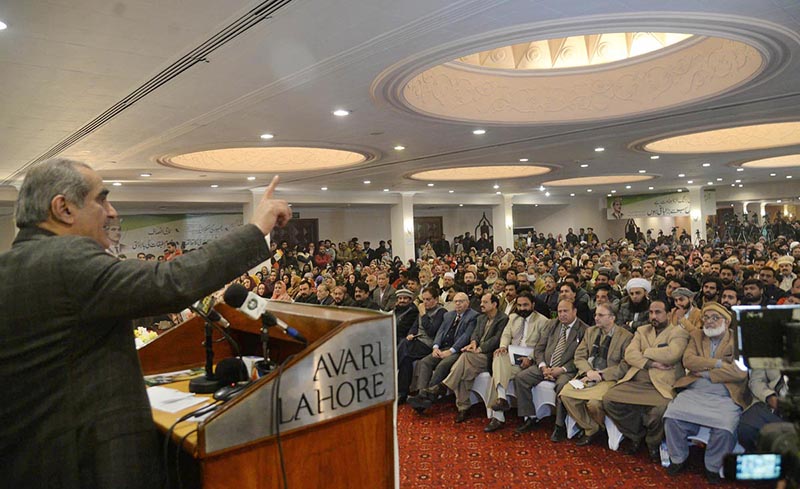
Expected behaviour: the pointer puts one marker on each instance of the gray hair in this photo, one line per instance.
(58, 176)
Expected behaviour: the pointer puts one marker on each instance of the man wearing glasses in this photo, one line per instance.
(715, 393)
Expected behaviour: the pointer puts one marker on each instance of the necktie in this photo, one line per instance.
(555, 361)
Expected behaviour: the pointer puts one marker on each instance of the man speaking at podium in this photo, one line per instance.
(76, 413)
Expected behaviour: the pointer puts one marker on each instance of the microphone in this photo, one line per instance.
(255, 306)
(209, 314)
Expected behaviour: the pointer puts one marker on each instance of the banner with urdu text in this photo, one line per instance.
(655, 205)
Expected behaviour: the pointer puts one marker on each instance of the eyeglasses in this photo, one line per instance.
(711, 317)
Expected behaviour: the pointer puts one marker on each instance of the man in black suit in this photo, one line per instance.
(76, 413)
(553, 360)
(362, 297)
(304, 294)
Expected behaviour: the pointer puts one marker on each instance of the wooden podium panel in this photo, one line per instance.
(336, 402)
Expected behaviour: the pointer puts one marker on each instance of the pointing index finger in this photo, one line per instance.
(271, 187)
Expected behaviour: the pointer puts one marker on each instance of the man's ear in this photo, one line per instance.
(61, 210)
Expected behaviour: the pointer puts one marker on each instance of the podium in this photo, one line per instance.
(334, 406)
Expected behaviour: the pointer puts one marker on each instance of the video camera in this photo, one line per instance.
(768, 337)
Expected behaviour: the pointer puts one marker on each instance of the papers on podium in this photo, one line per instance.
(171, 400)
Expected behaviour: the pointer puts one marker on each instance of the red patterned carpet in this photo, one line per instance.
(436, 452)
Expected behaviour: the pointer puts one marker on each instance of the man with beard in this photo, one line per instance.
(637, 402)
(785, 264)
(770, 289)
(524, 328)
(753, 293)
(405, 313)
(714, 396)
(304, 293)
(553, 360)
(727, 275)
(709, 292)
(478, 289)
(475, 357)
(419, 340)
(341, 298)
(657, 282)
(453, 335)
(634, 309)
(550, 294)
(729, 298)
(685, 314)
(448, 281)
(599, 360)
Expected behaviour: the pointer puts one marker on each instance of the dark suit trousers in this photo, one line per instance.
(527, 380)
(407, 353)
(637, 421)
(432, 371)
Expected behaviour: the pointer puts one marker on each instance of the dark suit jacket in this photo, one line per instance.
(487, 334)
(543, 351)
(70, 369)
(389, 298)
(464, 331)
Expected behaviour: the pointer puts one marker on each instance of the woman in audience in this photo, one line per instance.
(280, 293)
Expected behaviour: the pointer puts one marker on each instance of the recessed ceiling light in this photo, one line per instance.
(733, 185)
(145, 174)
(323, 188)
(740, 185)
(495, 186)
(710, 183)
(541, 188)
(740, 169)
(585, 165)
(655, 157)
(117, 184)
(613, 191)
(706, 165)
(430, 185)
(627, 187)
(599, 149)
(642, 171)
(650, 188)
(680, 190)
(479, 132)
(779, 201)
(689, 181)
(719, 179)
(251, 178)
(788, 176)
(523, 160)
(536, 205)
(588, 190)
(399, 148)
(267, 136)
(2, 25)
(341, 113)
(367, 182)
(609, 195)
(461, 205)
(738, 181)
(450, 191)
(681, 175)
(386, 190)
(214, 185)
(773, 174)
(498, 192)
(572, 195)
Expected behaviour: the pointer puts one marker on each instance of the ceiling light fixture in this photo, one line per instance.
(547, 194)
(117, 184)
(267, 136)
(585, 165)
(495, 186)
(341, 113)
(650, 188)
(613, 191)
(608, 195)
(642, 171)
(706, 165)
(461, 205)
(250, 179)
(599, 149)
(479, 132)
(773, 174)
(788, 176)
(541, 188)
(523, 160)
(690, 182)
(3, 25)
(719, 179)
(710, 183)
(399, 148)
(738, 181)
(386, 190)
(740, 185)
(367, 182)
(323, 188)
(214, 185)
(681, 175)
(628, 187)
(655, 157)
(779, 201)
(498, 192)
(740, 169)
(572, 195)
(450, 191)
(430, 185)
(588, 190)
(145, 174)
(680, 190)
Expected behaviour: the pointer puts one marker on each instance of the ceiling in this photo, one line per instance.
(129, 85)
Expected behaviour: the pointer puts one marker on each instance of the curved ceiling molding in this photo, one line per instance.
(701, 70)
(598, 180)
(786, 161)
(475, 173)
(270, 159)
(741, 138)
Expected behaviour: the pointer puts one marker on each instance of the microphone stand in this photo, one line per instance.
(207, 383)
(265, 366)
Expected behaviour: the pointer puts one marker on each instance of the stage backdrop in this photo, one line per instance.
(150, 234)
(651, 205)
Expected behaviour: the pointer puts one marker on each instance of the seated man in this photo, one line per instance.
(553, 357)
(767, 387)
(405, 313)
(363, 300)
(685, 314)
(524, 328)
(638, 401)
(419, 340)
(714, 396)
(600, 363)
(305, 294)
(474, 358)
(453, 335)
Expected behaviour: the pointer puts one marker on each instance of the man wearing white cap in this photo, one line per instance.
(633, 310)
(786, 276)
(448, 280)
